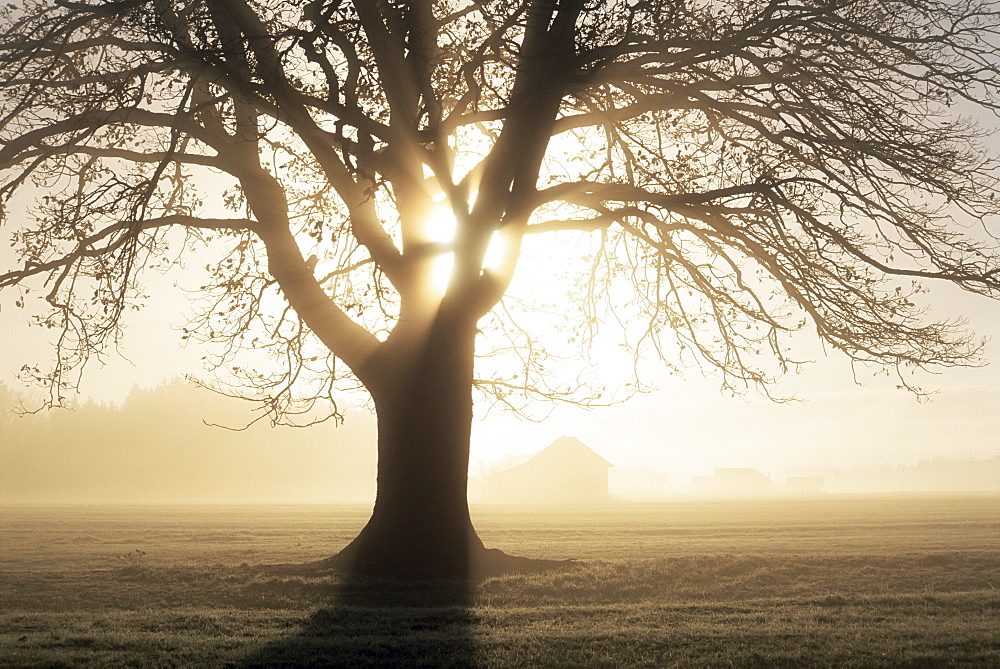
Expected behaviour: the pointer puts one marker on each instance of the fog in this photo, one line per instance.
(155, 445)
(151, 442)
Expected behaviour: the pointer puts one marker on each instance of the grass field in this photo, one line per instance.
(836, 581)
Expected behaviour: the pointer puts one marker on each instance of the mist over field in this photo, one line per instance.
(158, 445)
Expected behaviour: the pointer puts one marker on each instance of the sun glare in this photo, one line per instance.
(441, 272)
(440, 228)
(494, 252)
(441, 224)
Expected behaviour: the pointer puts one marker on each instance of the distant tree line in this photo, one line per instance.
(157, 445)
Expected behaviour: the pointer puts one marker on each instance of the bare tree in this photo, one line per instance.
(732, 171)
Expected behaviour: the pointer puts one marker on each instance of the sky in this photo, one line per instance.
(685, 428)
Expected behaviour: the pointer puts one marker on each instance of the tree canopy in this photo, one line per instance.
(732, 171)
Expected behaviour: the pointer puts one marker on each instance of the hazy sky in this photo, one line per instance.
(685, 428)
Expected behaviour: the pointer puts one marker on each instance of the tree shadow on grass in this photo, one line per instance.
(373, 622)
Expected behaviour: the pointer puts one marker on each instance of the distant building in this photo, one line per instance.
(566, 471)
(733, 482)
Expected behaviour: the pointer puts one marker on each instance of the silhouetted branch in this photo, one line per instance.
(733, 171)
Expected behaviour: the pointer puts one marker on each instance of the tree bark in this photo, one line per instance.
(420, 526)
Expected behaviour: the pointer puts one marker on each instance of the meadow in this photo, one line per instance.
(838, 581)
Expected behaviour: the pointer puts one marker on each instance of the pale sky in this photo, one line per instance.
(685, 428)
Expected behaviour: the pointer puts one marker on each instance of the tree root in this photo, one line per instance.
(494, 562)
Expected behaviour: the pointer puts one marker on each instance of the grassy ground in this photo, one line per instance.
(835, 581)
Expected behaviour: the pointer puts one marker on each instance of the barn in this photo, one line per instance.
(567, 471)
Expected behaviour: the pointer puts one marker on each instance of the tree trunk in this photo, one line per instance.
(420, 526)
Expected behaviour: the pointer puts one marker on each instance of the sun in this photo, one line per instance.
(441, 225)
(440, 228)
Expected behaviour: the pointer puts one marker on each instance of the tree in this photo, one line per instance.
(734, 171)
